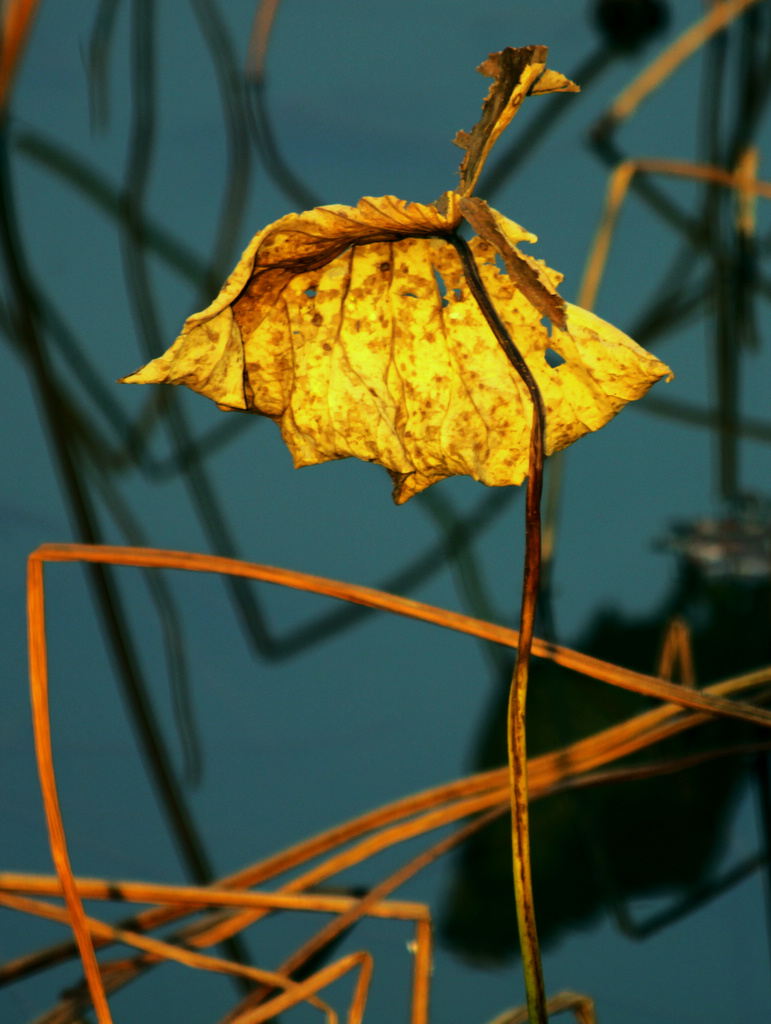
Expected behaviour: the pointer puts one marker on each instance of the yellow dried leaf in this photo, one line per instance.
(354, 329)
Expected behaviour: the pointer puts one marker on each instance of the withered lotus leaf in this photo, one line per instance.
(360, 341)
(355, 330)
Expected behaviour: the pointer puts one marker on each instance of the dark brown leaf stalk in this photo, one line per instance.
(520, 832)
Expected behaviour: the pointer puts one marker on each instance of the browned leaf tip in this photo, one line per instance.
(527, 274)
(517, 72)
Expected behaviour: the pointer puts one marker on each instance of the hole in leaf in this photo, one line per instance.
(443, 290)
(409, 295)
(554, 359)
(311, 293)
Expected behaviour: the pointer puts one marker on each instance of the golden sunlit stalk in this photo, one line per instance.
(719, 16)
(18, 18)
(604, 671)
(741, 179)
(38, 681)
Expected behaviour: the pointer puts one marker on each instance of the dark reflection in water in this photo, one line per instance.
(597, 849)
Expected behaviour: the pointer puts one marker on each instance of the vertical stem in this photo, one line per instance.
(421, 978)
(520, 830)
(725, 350)
(38, 681)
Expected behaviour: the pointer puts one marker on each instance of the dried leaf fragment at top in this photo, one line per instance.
(516, 72)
